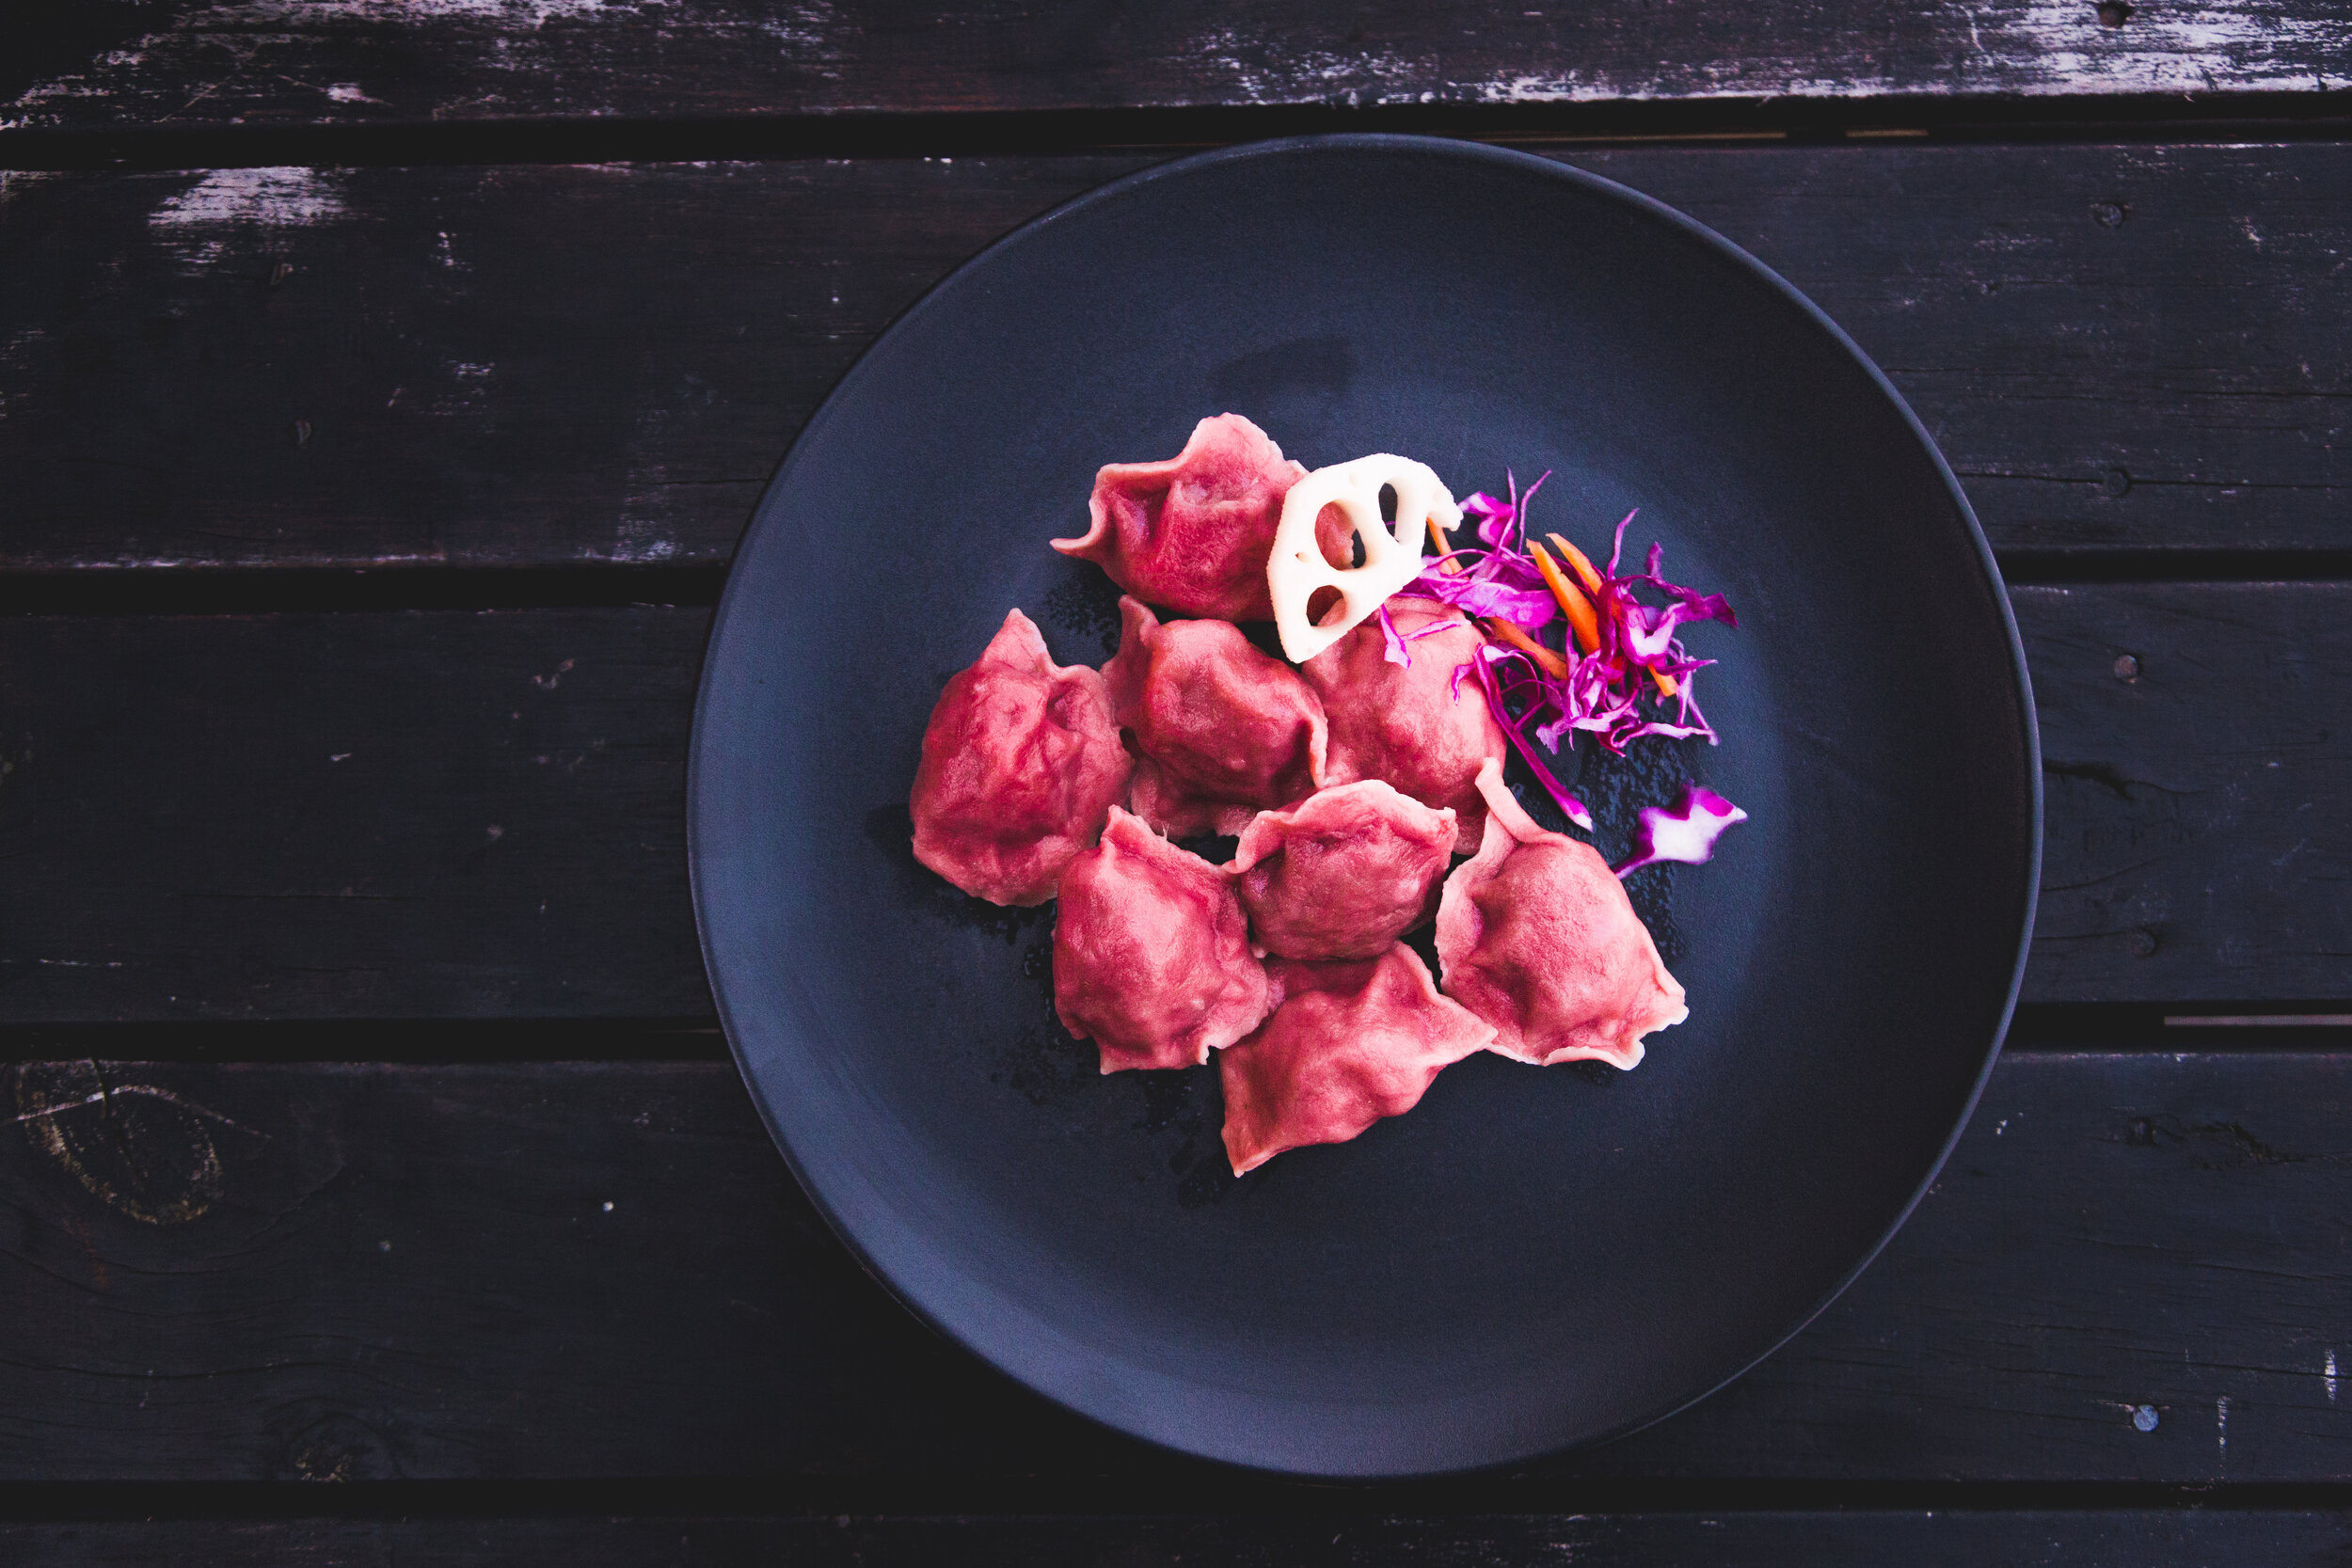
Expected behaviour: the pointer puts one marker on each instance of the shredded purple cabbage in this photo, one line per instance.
(1498, 518)
(1493, 515)
(1481, 663)
(1392, 641)
(1501, 581)
(1605, 690)
(1685, 832)
(1483, 594)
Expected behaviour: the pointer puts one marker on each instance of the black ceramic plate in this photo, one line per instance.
(1534, 1257)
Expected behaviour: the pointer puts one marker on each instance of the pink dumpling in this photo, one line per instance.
(1223, 731)
(1193, 532)
(1151, 957)
(1021, 763)
(1536, 936)
(1417, 728)
(1343, 874)
(1351, 1043)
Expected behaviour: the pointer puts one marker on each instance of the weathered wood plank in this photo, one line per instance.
(514, 366)
(450, 815)
(2116, 348)
(2119, 348)
(188, 62)
(2195, 759)
(2112, 1538)
(579, 1269)
(466, 815)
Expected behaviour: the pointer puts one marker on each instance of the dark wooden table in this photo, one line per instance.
(383, 386)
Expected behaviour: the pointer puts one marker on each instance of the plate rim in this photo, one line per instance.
(1570, 174)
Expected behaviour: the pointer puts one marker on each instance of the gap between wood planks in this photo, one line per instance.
(1960, 1538)
(1205, 1491)
(2264, 117)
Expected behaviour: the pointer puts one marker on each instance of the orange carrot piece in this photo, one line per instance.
(1584, 570)
(1579, 608)
(1554, 665)
(1437, 536)
(1585, 573)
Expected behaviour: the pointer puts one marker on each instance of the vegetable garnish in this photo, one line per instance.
(1500, 581)
(1685, 832)
(1554, 665)
(1393, 641)
(1438, 541)
(1616, 648)
(1590, 576)
(1577, 559)
(1577, 608)
(1483, 663)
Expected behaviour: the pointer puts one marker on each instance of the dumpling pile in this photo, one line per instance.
(1353, 781)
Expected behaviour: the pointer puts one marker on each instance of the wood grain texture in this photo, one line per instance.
(462, 367)
(463, 815)
(231, 62)
(2123, 348)
(365, 1271)
(2195, 848)
(452, 815)
(2119, 1538)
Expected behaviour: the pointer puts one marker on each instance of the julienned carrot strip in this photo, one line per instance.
(1578, 608)
(1554, 665)
(1585, 573)
(1446, 563)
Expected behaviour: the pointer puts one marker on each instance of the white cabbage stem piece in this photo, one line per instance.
(1296, 569)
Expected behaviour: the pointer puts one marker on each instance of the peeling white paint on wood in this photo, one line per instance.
(121, 63)
(2165, 49)
(2039, 47)
(300, 14)
(809, 28)
(641, 542)
(471, 392)
(1350, 76)
(224, 63)
(262, 197)
(16, 182)
(158, 64)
